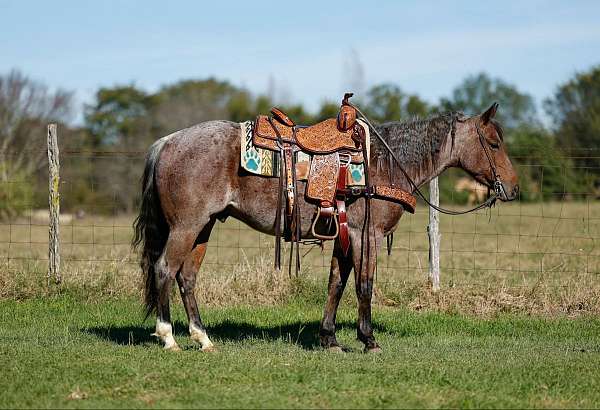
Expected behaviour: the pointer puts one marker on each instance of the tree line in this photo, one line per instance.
(556, 158)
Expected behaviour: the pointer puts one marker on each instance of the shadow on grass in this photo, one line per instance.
(304, 334)
(123, 335)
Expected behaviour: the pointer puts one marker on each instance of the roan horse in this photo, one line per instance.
(193, 177)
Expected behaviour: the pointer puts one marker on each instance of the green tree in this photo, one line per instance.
(118, 115)
(262, 105)
(544, 171)
(328, 109)
(477, 92)
(240, 106)
(387, 102)
(298, 114)
(119, 120)
(190, 102)
(575, 111)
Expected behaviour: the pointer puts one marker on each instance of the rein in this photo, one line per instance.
(498, 188)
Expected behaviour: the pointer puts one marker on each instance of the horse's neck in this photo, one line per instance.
(431, 169)
(419, 173)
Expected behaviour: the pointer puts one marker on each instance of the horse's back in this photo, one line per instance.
(204, 136)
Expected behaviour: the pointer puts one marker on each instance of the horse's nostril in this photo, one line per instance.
(515, 190)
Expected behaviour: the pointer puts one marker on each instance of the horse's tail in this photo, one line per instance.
(151, 228)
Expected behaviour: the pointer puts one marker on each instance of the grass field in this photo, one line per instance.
(63, 352)
(516, 324)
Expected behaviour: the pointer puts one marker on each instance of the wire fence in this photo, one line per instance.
(554, 234)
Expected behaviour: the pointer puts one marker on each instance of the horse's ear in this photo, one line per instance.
(489, 113)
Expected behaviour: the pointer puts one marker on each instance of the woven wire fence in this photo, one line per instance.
(519, 243)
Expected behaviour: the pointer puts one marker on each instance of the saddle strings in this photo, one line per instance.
(487, 204)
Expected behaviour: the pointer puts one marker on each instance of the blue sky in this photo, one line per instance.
(426, 47)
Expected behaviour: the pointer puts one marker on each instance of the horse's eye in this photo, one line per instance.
(494, 145)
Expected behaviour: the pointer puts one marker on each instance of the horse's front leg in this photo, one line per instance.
(338, 276)
(365, 259)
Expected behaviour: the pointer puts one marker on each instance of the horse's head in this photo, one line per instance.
(482, 153)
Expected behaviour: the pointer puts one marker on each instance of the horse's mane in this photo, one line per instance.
(416, 140)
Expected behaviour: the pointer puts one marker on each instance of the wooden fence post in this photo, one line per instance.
(433, 229)
(54, 206)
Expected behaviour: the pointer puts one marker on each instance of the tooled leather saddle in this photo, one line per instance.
(333, 145)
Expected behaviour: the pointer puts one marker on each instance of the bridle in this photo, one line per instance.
(498, 188)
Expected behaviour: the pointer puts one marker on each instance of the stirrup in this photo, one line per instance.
(324, 237)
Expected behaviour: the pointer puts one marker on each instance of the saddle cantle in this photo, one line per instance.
(333, 145)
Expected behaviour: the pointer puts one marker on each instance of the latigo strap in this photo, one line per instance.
(340, 203)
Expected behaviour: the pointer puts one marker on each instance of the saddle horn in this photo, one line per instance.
(347, 115)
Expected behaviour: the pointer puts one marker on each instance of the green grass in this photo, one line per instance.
(62, 351)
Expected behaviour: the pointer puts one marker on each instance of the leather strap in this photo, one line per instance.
(394, 194)
(387, 193)
(280, 189)
(340, 202)
(295, 228)
(289, 177)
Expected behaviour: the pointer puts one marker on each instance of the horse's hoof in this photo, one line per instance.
(375, 349)
(335, 349)
(174, 348)
(209, 349)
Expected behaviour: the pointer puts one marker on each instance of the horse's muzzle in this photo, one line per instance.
(507, 194)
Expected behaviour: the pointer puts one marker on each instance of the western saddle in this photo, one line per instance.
(333, 145)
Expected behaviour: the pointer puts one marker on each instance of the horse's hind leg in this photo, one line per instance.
(186, 279)
(177, 248)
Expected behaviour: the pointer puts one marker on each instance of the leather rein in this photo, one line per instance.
(498, 188)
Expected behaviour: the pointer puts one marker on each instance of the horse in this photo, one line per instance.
(193, 177)
(475, 190)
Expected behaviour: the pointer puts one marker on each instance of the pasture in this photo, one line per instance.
(515, 324)
(69, 352)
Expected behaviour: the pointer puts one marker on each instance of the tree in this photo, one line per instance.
(544, 171)
(328, 109)
(262, 105)
(129, 119)
(575, 111)
(119, 120)
(298, 114)
(26, 106)
(119, 115)
(190, 102)
(387, 102)
(475, 94)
